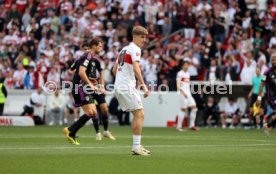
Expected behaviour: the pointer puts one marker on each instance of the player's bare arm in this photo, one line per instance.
(114, 70)
(260, 93)
(138, 74)
(102, 83)
(251, 92)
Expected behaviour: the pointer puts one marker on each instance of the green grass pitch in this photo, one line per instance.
(44, 150)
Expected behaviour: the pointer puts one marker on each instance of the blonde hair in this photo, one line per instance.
(139, 30)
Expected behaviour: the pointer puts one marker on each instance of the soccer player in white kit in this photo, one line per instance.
(126, 68)
(187, 100)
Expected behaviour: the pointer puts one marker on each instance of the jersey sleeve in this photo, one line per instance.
(73, 66)
(84, 60)
(135, 54)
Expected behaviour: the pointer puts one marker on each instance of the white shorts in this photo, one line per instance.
(187, 102)
(129, 100)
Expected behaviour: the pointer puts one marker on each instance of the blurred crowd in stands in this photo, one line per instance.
(225, 39)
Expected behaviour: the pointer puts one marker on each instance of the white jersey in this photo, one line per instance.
(184, 78)
(125, 76)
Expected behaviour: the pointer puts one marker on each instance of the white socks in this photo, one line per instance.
(136, 141)
(192, 118)
(181, 116)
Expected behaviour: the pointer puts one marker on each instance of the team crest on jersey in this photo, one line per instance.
(86, 62)
(87, 98)
(137, 54)
(93, 63)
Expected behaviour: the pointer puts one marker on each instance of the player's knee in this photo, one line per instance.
(194, 109)
(105, 112)
(141, 115)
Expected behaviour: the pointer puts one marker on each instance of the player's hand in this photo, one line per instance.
(146, 93)
(103, 91)
(94, 88)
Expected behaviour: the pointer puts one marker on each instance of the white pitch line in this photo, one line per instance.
(123, 147)
(219, 138)
(122, 136)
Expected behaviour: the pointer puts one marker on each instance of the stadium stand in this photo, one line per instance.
(225, 39)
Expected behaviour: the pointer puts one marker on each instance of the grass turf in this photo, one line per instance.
(44, 150)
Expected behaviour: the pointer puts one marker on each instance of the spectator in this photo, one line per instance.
(203, 6)
(189, 23)
(209, 50)
(262, 62)
(249, 69)
(246, 21)
(70, 109)
(213, 73)
(203, 23)
(245, 45)
(26, 18)
(167, 27)
(151, 73)
(56, 108)
(18, 76)
(211, 112)
(194, 65)
(232, 69)
(29, 79)
(54, 22)
(54, 76)
(36, 106)
(231, 110)
(218, 27)
(114, 109)
(13, 13)
(107, 72)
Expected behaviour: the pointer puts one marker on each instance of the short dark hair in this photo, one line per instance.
(231, 99)
(85, 44)
(95, 42)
